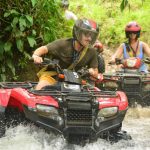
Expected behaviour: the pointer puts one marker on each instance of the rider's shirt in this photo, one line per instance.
(63, 50)
(139, 54)
(127, 54)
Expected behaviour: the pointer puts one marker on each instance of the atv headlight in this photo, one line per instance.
(71, 86)
(46, 111)
(131, 62)
(107, 112)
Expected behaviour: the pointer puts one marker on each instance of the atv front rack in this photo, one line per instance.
(74, 94)
(10, 85)
(122, 74)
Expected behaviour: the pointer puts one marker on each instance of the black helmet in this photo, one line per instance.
(85, 26)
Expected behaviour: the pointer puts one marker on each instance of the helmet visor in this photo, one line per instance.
(89, 33)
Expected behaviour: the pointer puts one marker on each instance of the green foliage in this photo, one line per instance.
(126, 3)
(112, 20)
(123, 4)
(24, 26)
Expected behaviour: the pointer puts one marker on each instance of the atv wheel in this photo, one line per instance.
(14, 117)
(101, 63)
(2, 124)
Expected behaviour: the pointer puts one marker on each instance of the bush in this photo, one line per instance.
(25, 24)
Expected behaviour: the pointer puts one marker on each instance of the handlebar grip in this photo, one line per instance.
(47, 61)
(118, 61)
(110, 63)
(147, 60)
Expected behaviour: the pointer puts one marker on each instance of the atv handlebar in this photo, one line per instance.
(49, 62)
(119, 61)
(83, 72)
(146, 60)
(55, 63)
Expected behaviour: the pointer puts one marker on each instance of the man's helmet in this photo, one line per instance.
(85, 26)
(132, 27)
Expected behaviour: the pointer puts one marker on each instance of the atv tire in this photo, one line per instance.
(101, 63)
(2, 124)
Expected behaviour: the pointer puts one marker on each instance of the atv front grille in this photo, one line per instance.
(131, 88)
(79, 117)
(81, 105)
(131, 85)
(131, 81)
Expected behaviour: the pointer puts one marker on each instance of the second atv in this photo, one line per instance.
(131, 80)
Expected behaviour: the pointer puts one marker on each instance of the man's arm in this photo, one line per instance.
(38, 53)
(98, 46)
(93, 72)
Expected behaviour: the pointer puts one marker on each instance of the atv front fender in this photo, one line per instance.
(4, 98)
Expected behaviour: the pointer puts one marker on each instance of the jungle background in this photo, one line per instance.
(28, 24)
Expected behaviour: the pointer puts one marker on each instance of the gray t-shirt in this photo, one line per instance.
(63, 50)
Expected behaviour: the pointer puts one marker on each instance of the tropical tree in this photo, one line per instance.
(24, 25)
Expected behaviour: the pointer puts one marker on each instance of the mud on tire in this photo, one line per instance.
(101, 63)
(2, 124)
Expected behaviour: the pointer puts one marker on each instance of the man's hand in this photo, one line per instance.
(38, 53)
(37, 59)
(112, 61)
(99, 46)
(93, 73)
(100, 77)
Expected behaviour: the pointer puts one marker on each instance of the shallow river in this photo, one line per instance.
(30, 137)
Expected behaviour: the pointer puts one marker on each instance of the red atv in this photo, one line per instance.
(71, 107)
(129, 79)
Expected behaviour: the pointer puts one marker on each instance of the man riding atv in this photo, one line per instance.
(134, 47)
(74, 109)
(72, 53)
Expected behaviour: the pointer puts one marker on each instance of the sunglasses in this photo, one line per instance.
(132, 32)
(89, 33)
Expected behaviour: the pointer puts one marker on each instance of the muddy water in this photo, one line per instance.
(30, 137)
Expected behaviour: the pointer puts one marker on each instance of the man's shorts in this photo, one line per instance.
(43, 74)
